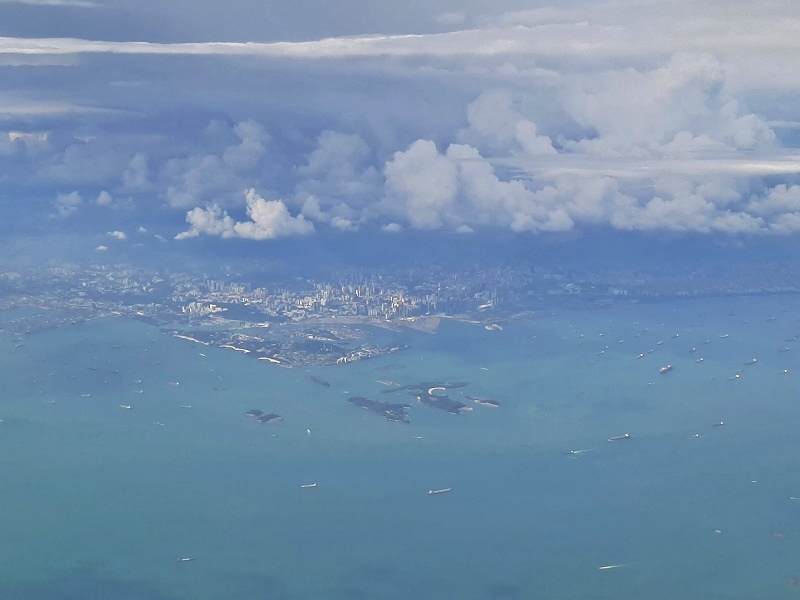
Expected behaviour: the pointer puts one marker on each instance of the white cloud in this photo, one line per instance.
(67, 205)
(679, 108)
(778, 200)
(343, 224)
(248, 152)
(118, 235)
(211, 221)
(136, 176)
(392, 228)
(338, 171)
(460, 188)
(101, 248)
(197, 179)
(269, 219)
(218, 178)
(421, 185)
(30, 144)
(104, 199)
(495, 125)
(94, 160)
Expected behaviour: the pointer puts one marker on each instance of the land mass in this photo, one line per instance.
(388, 410)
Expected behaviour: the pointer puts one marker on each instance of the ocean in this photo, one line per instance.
(702, 500)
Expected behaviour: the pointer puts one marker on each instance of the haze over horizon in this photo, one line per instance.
(261, 120)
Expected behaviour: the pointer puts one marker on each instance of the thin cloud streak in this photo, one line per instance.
(579, 39)
(627, 168)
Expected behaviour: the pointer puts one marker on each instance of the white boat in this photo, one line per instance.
(125, 406)
(441, 491)
(186, 559)
(308, 485)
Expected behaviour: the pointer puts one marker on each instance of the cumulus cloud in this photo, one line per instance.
(24, 144)
(338, 182)
(215, 177)
(67, 205)
(421, 185)
(679, 108)
(85, 161)
(268, 219)
(496, 126)
(136, 176)
(118, 235)
(433, 190)
(101, 248)
(252, 144)
(104, 199)
(343, 224)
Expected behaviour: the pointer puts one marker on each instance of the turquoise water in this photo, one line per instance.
(100, 501)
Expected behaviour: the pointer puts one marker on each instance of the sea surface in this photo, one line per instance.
(100, 501)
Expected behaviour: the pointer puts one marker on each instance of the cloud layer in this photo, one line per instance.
(543, 119)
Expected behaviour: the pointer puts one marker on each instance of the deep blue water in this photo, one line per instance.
(101, 501)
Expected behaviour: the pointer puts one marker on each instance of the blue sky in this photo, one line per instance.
(261, 120)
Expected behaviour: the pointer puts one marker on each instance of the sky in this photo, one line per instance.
(260, 120)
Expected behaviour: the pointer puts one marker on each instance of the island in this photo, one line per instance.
(389, 410)
(269, 419)
(260, 417)
(424, 392)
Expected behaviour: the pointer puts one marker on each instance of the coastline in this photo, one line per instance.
(423, 324)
